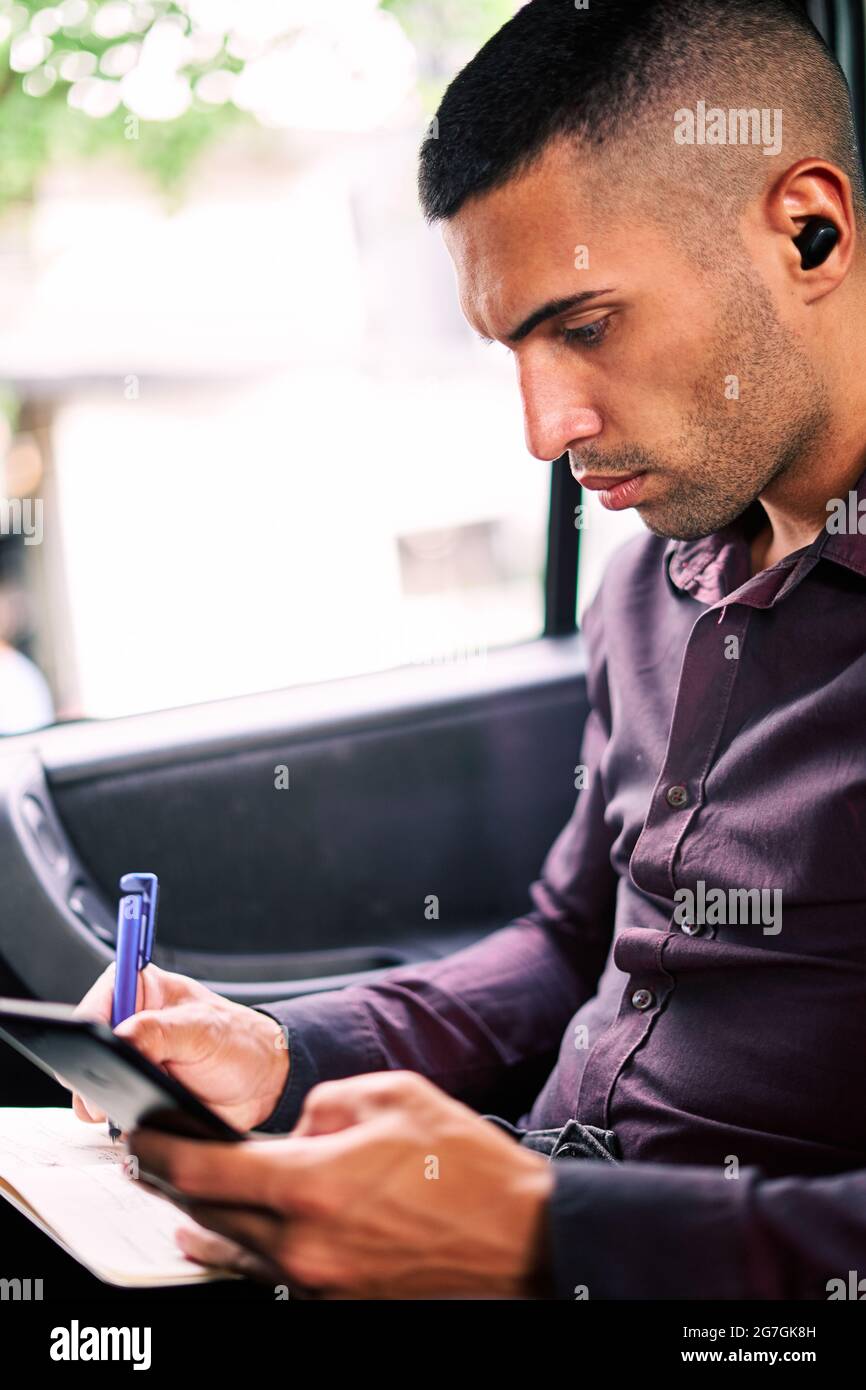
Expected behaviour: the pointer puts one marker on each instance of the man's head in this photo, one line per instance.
(658, 159)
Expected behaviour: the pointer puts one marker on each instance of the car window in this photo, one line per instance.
(265, 446)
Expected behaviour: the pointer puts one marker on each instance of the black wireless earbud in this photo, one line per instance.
(816, 241)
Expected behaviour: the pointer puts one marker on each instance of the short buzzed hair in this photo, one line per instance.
(610, 77)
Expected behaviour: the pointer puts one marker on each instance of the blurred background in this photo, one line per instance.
(233, 371)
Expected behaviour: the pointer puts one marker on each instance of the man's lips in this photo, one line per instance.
(615, 493)
(597, 482)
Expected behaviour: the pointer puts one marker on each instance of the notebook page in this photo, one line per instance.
(72, 1176)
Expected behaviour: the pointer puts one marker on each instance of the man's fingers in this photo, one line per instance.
(97, 1001)
(336, 1105)
(244, 1226)
(179, 1034)
(277, 1175)
(160, 1036)
(210, 1172)
(156, 989)
(88, 1111)
(209, 1248)
(172, 989)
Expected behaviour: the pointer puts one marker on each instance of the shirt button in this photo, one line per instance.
(643, 999)
(692, 928)
(676, 796)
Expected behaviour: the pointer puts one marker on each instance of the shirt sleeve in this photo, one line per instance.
(484, 1022)
(663, 1232)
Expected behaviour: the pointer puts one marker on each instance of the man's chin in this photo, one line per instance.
(668, 527)
(675, 533)
(663, 523)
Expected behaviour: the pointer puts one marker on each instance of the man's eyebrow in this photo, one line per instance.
(549, 311)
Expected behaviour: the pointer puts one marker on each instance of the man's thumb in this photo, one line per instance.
(166, 1035)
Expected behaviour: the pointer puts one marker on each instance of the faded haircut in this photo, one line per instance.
(609, 79)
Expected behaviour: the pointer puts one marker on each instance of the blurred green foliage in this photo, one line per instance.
(37, 131)
(39, 128)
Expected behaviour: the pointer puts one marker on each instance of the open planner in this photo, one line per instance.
(68, 1178)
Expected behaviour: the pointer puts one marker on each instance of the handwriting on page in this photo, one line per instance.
(73, 1178)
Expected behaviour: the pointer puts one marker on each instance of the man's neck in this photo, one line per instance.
(772, 545)
(796, 510)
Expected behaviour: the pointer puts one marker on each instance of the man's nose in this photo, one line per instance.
(554, 416)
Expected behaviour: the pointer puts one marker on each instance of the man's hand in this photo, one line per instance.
(386, 1188)
(233, 1058)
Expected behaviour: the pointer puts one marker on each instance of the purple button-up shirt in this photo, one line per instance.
(721, 1035)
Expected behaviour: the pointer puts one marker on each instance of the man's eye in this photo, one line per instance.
(589, 335)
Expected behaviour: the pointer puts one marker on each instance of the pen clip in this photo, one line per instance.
(145, 886)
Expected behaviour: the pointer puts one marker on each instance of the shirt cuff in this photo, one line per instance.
(302, 1077)
(326, 1038)
(652, 1231)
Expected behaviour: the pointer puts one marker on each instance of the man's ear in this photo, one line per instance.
(812, 206)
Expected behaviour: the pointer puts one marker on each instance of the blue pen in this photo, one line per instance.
(136, 925)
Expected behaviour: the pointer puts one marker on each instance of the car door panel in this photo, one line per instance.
(416, 814)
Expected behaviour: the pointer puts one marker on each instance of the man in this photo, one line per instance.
(687, 311)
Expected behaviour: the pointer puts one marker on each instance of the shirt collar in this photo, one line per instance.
(713, 567)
